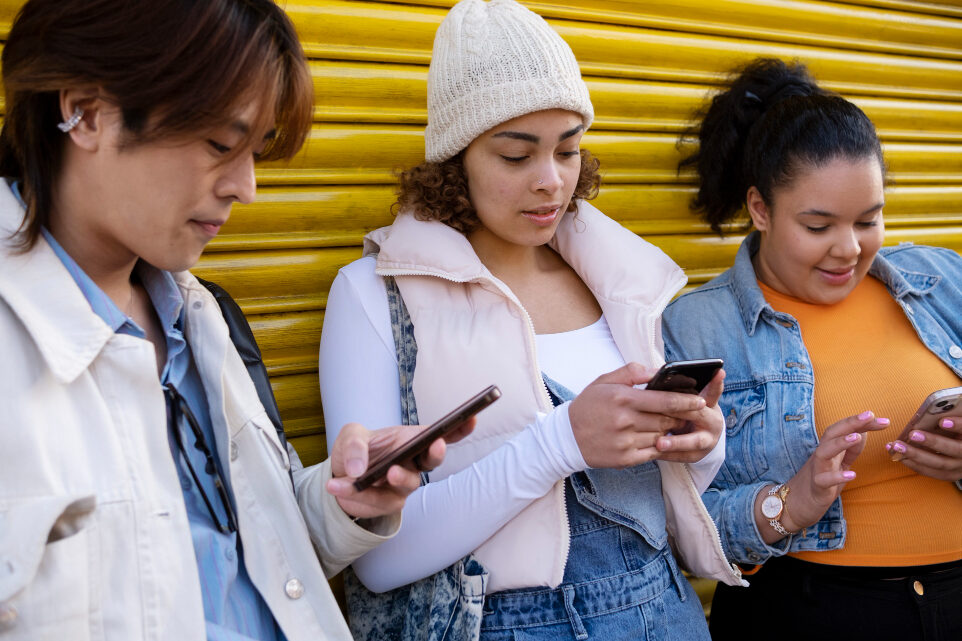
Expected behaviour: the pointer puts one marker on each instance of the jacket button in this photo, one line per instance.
(233, 450)
(918, 587)
(8, 616)
(198, 304)
(955, 351)
(294, 589)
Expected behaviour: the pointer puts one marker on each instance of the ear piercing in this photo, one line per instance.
(72, 121)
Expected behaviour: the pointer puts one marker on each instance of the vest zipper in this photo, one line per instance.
(703, 511)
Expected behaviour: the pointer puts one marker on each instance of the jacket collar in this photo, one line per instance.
(41, 293)
(751, 302)
(586, 239)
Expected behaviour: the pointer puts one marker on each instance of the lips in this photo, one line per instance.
(209, 227)
(542, 215)
(837, 275)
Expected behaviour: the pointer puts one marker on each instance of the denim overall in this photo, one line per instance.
(621, 581)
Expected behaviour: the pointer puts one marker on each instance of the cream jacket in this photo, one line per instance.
(94, 538)
(462, 314)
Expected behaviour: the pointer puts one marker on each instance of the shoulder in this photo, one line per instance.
(361, 279)
(921, 257)
(714, 296)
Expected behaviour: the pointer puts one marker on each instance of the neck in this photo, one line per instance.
(508, 261)
(73, 223)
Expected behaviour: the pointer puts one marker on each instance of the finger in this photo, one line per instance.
(936, 460)
(943, 474)
(461, 431)
(864, 422)
(935, 442)
(675, 404)
(714, 389)
(432, 457)
(828, 449)
(403, 480)
(831, 478)
(630, 374)
(350, 452)
(695, 441)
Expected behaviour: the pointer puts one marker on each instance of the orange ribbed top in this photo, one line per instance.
(866, 356)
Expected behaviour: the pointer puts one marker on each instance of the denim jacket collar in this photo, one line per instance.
(751, 302)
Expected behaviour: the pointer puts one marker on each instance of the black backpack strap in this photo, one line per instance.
(243, 339)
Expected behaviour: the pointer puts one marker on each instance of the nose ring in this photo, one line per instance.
(540, 181)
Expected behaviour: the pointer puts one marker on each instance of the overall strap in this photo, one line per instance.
(407, 350)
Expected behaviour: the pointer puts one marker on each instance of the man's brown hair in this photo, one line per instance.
(174, 67)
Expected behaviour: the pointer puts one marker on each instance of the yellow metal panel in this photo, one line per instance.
(372, 154)
(378, 32)
(825, 24)
(390, 93)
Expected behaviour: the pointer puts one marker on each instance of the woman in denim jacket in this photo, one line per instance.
(795, 309)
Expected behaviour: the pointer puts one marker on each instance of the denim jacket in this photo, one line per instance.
(768, 401)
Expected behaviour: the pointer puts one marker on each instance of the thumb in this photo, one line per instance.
(350, 451)
(630, 374)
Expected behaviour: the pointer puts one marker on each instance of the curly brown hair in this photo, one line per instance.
(439, 191)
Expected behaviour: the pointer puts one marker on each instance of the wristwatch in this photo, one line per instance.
(773, 507)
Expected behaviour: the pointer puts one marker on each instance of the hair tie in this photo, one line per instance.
(752, 97)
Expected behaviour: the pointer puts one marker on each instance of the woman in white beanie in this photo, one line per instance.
(557, 518)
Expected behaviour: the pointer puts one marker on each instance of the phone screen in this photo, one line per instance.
(417, 445)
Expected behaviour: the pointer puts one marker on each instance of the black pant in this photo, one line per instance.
(791, 599)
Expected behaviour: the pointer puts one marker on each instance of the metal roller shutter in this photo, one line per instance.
(648, 65)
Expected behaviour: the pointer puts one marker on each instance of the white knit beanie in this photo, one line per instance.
(494, 61)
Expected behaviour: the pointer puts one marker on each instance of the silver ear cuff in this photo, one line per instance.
(72, 121)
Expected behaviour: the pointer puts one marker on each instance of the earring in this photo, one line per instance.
(72, 121)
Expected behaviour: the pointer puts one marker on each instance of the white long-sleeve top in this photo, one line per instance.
(446, 520)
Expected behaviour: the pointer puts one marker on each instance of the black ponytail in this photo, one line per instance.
(771, 121)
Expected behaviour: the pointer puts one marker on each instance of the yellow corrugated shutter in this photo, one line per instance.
(648, 65)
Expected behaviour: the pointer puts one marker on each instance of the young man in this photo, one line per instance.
(143, 491)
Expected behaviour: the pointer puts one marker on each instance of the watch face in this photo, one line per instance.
(772, 507)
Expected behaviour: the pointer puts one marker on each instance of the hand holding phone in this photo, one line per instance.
(926, 419)
(417, 445)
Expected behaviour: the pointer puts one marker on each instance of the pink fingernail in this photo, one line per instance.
(899, 447)
(882, 421)
(888, 447)
(851, 438)
(848, 475)
(864, 416)
(947, 423)
(918, 437)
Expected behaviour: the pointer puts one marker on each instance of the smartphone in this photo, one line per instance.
(688, 377)
(933, 408)
(377, 469)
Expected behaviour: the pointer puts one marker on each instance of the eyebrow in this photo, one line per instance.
(520, 135)
(828, 214)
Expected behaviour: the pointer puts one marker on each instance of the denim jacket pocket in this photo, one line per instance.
(45, 578)
(747, 459)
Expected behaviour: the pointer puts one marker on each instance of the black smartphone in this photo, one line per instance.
(377, 469)
(689, 377)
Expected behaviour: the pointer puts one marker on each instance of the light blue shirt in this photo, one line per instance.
(233, 608)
